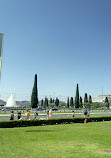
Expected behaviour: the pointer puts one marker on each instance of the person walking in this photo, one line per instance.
(35, 115)
(19, 115)
(73, 114)
(85, 113)
(27, 115)
(50, 113)
(12, 115)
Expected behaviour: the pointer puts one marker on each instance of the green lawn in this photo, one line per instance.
(92, 140)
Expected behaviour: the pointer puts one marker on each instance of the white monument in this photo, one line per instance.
(11, 101)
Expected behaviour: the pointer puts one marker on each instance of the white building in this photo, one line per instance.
(101, 98)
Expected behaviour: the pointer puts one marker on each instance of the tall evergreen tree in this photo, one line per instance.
(34, 97)
(77, 97)
(80, 103)
(57, 102)
(107, 102)
(90, 99)
(85, 98)
(71, 102)
(42, 103)
(68, 102)
(46, 102)
(51, 100)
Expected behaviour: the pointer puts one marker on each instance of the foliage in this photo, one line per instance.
(46, 102)
(25, 123)
(68, 102)
(71, 102)
(51, 101)
(85, 98)
(80, 102)
(34, 97)
(77, 97)
(87, 105)
(57, 102)
(42, 103)
(107, 102)
(90, 99)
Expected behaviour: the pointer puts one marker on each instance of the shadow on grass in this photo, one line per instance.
(41, 131)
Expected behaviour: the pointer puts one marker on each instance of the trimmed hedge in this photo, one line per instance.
(26, 123)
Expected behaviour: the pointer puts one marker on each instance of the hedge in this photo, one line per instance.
(26, 123)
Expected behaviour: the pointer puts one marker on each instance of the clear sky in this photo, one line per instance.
(64, 41)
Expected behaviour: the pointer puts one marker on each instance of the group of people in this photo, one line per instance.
(49, 115)
(19, 115)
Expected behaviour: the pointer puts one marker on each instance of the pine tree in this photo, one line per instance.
(85, 98)
(71, 102)
(77, 97)
(90, 99)
(34, 97)
(68, 102)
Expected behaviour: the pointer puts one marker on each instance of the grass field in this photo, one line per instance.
(92, 140)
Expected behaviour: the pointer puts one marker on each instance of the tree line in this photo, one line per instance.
(76, 102)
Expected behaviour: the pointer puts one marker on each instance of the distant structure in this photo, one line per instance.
(101, 98)
(11, 101)
(1, 50)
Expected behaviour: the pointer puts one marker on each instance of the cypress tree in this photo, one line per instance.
(57, 102)
(90, 99)
(71, 102)
(53, 101)
(34, 97)
(42, 103)
(85, 98)
(46, 102)
(68, 102)
(77, 97)
(80, 102)
(107, 102)
(50, 100)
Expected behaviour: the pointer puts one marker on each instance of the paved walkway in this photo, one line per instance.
(6, 117)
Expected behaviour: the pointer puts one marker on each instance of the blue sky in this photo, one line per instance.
(64, 41)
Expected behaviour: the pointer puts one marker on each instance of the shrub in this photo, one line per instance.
(25, 123)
